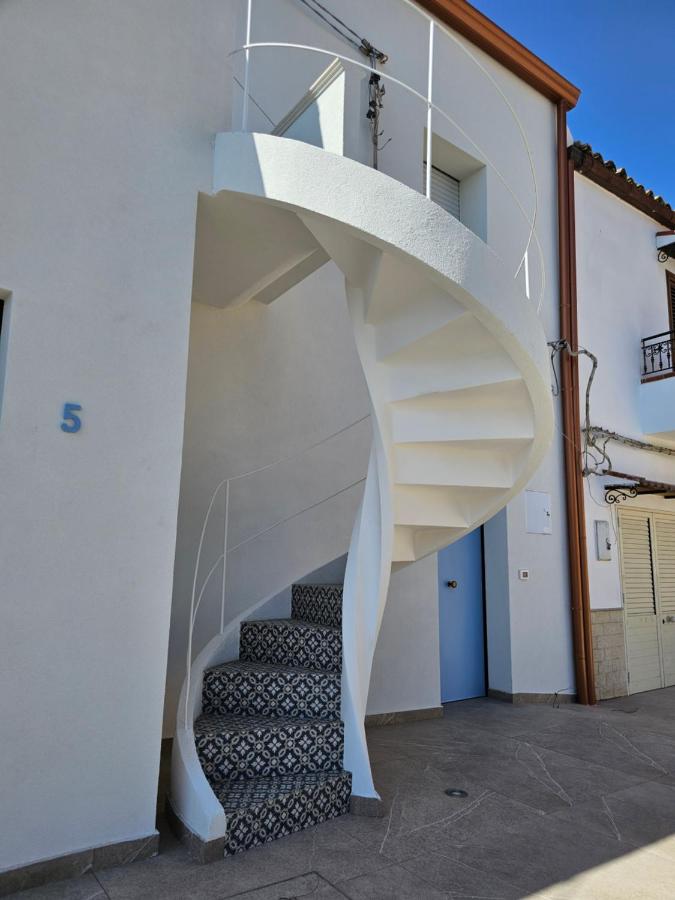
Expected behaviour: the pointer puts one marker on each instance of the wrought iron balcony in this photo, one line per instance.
(657, 356)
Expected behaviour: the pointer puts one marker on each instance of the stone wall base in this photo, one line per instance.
(198, 850)
(521, 699)
(74, 865)
(609, 653)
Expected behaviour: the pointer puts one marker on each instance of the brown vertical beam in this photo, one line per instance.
(579, 480)
(569, 379)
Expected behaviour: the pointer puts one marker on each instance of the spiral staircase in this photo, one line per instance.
(454, 357)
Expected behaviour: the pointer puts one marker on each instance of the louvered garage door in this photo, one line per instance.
(444, 190)
(664, 527)
(639, 597)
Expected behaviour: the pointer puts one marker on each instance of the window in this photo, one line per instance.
(670, 283)
(444, 190)
(458, 183)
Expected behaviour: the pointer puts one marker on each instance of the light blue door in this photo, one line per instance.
(461, 618)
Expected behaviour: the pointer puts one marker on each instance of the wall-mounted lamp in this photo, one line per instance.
(665, 245)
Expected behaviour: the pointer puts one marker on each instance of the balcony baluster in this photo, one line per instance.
(657, 356)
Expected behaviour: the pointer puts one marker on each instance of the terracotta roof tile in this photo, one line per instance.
(605, 172)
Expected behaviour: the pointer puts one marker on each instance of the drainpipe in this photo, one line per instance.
(569, 380)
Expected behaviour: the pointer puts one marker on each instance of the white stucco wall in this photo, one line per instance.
(406, 665)
(539, 616)
(108, 111)
(497, 603)
(622, 298)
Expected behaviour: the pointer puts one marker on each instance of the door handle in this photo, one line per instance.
(451, 584)
(669, 619)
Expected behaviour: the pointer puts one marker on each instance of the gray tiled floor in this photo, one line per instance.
(562, 803)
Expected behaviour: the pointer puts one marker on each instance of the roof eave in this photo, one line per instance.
(501, 46)
(589, 165)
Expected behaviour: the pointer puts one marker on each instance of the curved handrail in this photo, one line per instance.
(271, 528)
(531, 223)
(195, 604)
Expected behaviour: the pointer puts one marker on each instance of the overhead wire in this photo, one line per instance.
(254, 101)
(363, 45)
(333, 16)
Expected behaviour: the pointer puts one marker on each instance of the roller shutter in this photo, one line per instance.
(444, 190)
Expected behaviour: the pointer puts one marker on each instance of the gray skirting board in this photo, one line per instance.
(406, 715)
(74, 865)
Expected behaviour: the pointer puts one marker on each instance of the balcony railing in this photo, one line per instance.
(657, 356)
(264, 108)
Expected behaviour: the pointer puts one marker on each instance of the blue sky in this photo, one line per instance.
(622, 56)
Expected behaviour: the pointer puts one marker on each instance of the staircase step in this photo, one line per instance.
(233, 747)
(415, 322)
(490, 412)
(412, 542)
(432, 505)
(469, 464)
(264, 809)
(462, 339)
(290, 642)
(253, 688)
(318, 603)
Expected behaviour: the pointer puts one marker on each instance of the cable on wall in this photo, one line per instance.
(592, 449)
(596, 459)
(363, 45)
(598, 431)
(376, 89)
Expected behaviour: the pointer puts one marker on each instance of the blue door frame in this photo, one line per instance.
(461, 601)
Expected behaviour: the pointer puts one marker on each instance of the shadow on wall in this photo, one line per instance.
(275, 385)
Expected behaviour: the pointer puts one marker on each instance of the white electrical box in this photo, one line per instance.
(524, 574)
(603, 542)
(537, 512)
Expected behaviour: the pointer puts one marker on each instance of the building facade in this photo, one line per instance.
(276, 303)
(625, 279)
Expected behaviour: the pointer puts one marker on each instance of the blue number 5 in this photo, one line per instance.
(71, 421)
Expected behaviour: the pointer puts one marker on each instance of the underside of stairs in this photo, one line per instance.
(270, 740)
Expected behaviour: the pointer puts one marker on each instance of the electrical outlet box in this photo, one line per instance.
(537, 512)
(524, 574)
(603, 542)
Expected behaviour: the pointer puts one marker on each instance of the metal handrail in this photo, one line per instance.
(196, 599)
(659, 335)
(431, 107)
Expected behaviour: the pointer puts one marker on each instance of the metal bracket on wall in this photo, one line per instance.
(617, 493)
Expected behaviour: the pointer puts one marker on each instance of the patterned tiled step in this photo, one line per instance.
(287, 642)
(255, 746)
(318, 603)
(259, 689)
(263, 809)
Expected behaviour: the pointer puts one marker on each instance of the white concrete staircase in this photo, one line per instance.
(454, 357)
(460, 424)
(455, 410)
